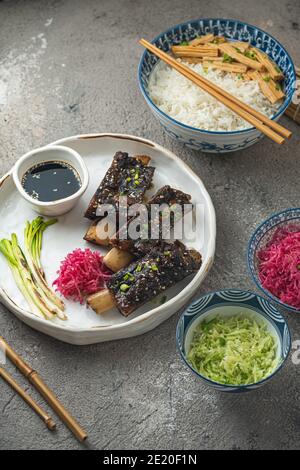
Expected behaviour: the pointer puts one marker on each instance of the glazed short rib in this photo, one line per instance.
(176, 201)
(164, 266)
(127, 176)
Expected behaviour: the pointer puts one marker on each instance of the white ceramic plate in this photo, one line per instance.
(83, 325)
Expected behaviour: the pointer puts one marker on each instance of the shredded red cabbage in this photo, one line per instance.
(279, 265)
(81, 273)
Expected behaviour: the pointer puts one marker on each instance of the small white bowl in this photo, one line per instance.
(47, 154)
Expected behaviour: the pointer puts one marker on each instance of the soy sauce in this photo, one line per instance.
(51, 181)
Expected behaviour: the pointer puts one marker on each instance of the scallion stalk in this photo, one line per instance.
(33, 245)
(28, 272)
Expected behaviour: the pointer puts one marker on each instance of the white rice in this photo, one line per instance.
(178, 97)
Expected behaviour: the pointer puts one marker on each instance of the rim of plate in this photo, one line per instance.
(195, 281)
(253, 272)
(196, 129)
(228, 386)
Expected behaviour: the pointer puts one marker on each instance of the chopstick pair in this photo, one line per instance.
(270, 128)
(27, 398)
(43, 389)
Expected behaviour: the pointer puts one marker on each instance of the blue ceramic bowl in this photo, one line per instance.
(259, 240)
(225, 303)
(207, 141)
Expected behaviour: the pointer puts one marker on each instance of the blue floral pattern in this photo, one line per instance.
(260, 238)
(206, 141)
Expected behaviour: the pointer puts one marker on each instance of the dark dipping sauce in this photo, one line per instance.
(51, 181)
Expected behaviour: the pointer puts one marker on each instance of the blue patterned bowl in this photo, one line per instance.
(259, 240)
(226, 303)
(208, 141)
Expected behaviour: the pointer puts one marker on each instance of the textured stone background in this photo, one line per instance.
(69, 67)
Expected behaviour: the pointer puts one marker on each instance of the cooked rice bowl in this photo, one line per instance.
(185, 102)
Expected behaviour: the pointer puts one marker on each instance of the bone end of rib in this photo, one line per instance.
(117, 259)
(145, 159)
(93, 237)
(101, 302)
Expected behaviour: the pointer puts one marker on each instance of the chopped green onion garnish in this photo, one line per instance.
(250, 55)
(138, 268)
(124, 287)
(227, 58)
(129, 277)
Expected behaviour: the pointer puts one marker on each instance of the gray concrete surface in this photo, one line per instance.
(69, 67)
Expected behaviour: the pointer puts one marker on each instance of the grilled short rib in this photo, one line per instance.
(144, 279)
(165, 196)
(127, 176)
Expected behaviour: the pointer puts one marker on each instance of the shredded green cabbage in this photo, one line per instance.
(235, 350)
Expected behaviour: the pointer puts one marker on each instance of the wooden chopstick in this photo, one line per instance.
(45, 391)
(268, 127)
(27, 398)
